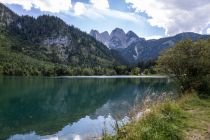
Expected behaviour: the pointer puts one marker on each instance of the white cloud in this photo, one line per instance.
(26, 4)
(53, 6)
(85, 10)
(175, 16)
(153, 37)
(100, 4)
(121, 15)
(89, 11)
(79, 9)
(208, 31)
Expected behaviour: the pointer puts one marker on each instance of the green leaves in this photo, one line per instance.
(187, 62)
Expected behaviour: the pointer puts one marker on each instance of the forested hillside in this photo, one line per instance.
(50, 40)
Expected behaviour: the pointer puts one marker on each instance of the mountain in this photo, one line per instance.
(129, 49)
(6, 16)
(105, 38)
(102, 37)
(117, 39)
(132, 38)
(50, 39)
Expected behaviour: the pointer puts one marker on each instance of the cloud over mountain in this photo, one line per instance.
(100, 4)
(53, 6)
(208, 31)
(79, 9)
(175, 16)
(100, 10)
(149, 18)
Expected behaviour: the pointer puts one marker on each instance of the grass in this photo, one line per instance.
(198, 117)
(186, 118)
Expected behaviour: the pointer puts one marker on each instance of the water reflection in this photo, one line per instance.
(42, 108)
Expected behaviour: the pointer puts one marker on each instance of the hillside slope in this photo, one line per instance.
(48, 38)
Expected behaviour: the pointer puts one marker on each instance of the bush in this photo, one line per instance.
(88, 71)
(135, 71)
(188, 63)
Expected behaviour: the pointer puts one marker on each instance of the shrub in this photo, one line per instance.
(188, 63)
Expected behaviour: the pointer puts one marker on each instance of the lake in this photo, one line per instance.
(71, 108)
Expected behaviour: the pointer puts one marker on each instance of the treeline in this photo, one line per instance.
(77, 47)
(188, 63)
(16, 69)
(34, 69)
(18, 64)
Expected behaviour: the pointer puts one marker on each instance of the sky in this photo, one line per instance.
(147, 18)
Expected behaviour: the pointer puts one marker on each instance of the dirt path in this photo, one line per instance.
(198, 119)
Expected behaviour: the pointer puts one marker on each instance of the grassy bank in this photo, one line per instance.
(186, 118)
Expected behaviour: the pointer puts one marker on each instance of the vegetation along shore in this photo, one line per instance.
(49, 46)
(187, 116)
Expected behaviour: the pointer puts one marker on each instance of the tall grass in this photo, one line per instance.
(187, 117)
(164, 121)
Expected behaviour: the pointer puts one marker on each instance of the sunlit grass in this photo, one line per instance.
(186, 118)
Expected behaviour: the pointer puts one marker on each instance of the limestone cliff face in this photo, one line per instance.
(118, 39)
(102, 37)
(132, 49)
(105, 38)
(59, 44)
(50, 38)
(6, 15)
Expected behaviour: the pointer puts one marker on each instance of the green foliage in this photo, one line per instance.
(16, 63)
(163, 122)
(66, 44)
(7, 16)
(136, 71)
(22, 65)
(68, 50)
(120, 70)
(54, 47)
(188, 63)
(186, 118)
(87, 71)
(146, 64)
(197, 117)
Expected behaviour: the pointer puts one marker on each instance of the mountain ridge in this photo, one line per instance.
(136, 49)
(50, 39)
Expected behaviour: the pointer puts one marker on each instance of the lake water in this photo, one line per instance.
(70, 108)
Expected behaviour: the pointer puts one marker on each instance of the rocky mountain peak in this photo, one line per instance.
(105, 38)
(50, 39)
(105, 33)
(118, 39)
(131, 34)
(102, 37)
(95, 34)
(117, 32)
(6, 15)
(132, 38)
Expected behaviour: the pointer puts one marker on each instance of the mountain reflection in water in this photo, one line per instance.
(68, 108)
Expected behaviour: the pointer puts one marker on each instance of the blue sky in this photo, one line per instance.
(147, 18)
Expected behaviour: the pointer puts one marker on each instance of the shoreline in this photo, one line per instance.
(180, 119)
(115, 76)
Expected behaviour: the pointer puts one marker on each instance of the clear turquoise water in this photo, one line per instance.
(70, 108)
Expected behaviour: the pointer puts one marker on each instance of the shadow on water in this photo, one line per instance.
(46, 105)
